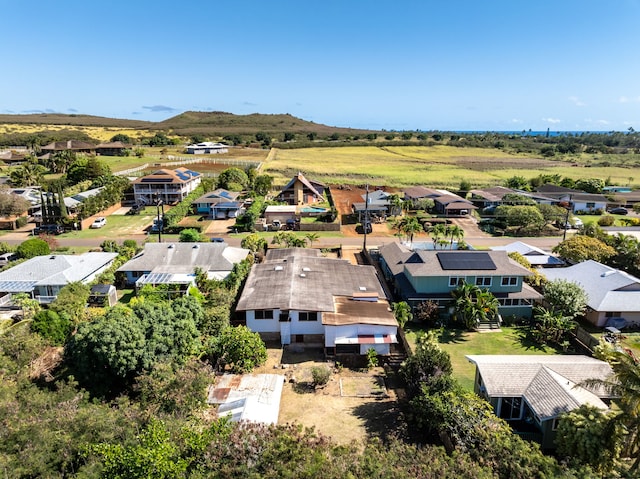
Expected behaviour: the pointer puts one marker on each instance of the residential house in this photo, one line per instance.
(534, 255)
(73, 202)
(176, 263)
(450, 204)
(281, 214)
(422, 275)
(298, 296)
(112, 148)
(301, 191)
(76, 146)
(488, 197)
(377, 203)
(43, 277)
(531, 392)
(168, 186)
(219, 204)
(613, 295)
(578, 200)
(13, 157)
(207, 147)
(417, 193)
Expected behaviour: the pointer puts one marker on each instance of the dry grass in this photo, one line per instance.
(347, 418)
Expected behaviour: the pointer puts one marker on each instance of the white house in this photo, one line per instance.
(207, 147)
(168, 186)
(298, 296)
(534, 255)
(44, 276)
(612, 294)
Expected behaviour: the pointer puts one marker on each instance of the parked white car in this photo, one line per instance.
(99, 222)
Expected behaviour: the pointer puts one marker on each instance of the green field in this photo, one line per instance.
(438, 166)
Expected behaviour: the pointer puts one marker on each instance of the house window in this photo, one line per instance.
(511, 408)
(555, 423)
(307, 316)
(483, 281)
(455, 281)
(264, 314)
(509, 302)
(612, 314)
(591, 206)
(509, 281)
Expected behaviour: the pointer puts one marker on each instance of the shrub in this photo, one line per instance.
(33, 247)
(606, 220)
(320, 376)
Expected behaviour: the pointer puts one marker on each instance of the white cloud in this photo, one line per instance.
(552, 120)
(576, 101)
(515, 120)
(626, 99)
(602, 122)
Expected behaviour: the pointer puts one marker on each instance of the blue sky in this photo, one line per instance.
(406, 65)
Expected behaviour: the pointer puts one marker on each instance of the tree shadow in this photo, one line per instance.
(293, 354)
(381, 418)
(455, 336)
(525, 337)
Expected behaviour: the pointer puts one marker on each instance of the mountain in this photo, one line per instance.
(189, 123)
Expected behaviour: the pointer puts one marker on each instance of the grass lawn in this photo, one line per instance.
(459, 343)
(118, 226)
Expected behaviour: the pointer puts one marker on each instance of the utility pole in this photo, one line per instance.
(365, 222)
(566, 220)
(160, 221)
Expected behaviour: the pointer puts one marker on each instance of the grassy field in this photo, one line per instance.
(98, 132)
(441, 166)
(459, 343)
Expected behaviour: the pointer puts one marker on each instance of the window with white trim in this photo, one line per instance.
(509, 280)
(307, 316)
(483, 280)
(263, 314)
(455, 281)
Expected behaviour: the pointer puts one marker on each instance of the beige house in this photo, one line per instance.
(168, 186)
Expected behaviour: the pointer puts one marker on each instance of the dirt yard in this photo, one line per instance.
(353, 405)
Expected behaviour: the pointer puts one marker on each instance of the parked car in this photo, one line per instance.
(217, 240)
(99, 222)
(135, 209)
(619, 211)
(6, 258)
(48, 230)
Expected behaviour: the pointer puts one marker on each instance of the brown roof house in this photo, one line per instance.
(113, 148)
(298, 296)
(168, 186)
(301, 191)
(73, 145)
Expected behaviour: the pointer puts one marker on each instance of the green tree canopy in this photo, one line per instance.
(233, 179)
(565, 297)
(580, 248)
(239, 348)
(33, 247)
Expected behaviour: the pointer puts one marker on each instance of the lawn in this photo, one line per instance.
(459, 343)
(118, 226)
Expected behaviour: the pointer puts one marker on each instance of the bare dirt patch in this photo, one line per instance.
(353, 405)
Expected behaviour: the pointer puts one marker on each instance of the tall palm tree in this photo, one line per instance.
(454, 232)
(410, 227)
(437, 233)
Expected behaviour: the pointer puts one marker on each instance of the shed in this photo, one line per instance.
(103, 295)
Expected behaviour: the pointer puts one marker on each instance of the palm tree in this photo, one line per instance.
(395, 203)
(410, 227)
(454, 232)
(625, 383)
(474, 304)
(311, 238)
(437, 233)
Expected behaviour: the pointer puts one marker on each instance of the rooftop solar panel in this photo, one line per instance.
(469, 260)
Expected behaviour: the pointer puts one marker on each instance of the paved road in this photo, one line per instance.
(484, 241)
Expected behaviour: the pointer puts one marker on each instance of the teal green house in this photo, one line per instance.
(421, 275)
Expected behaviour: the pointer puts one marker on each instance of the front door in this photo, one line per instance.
(285, 332)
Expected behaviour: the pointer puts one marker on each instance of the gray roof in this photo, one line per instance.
(183, 257)
(219, 195)
(416, 192)
(547, 383)
(53, 270)
(426, 263)
(305, 283)
(533, 254)
(607, 289)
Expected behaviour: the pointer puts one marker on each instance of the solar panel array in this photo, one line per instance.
(469, 260)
